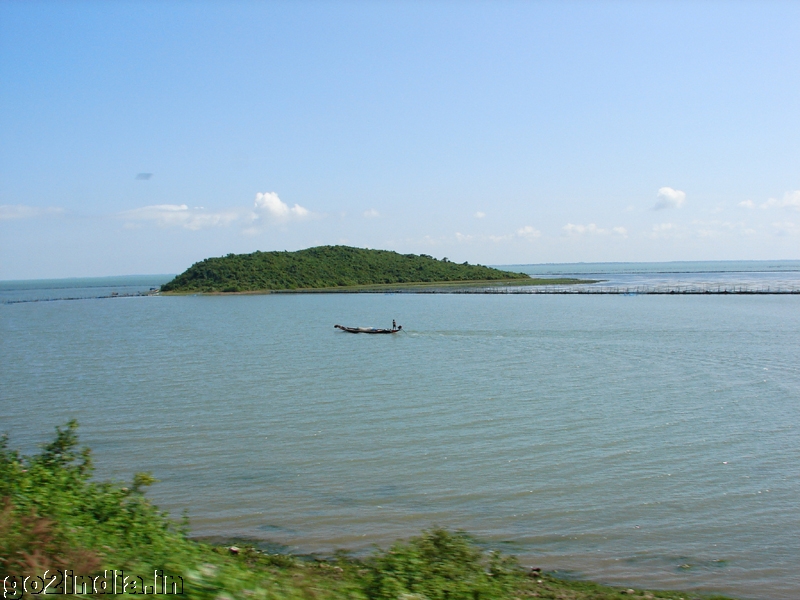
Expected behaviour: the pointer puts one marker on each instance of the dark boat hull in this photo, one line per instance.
(366, 329)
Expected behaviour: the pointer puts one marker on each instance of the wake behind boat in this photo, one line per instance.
(395, 328)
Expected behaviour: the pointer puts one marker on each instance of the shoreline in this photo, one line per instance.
(562, 286)
(562, 582)
(410, 287)
(531, 289)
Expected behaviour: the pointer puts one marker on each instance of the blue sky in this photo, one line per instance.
(140, 137)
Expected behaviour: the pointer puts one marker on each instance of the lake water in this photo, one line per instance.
(636, 440)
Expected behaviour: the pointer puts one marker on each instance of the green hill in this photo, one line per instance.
(324, 267)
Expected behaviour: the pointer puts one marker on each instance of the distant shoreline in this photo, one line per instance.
(526, 287)
(477, 286)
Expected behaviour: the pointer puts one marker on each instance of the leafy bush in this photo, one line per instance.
(440, 565)
(53, 516)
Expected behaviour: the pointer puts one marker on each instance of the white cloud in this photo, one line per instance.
(528, 232)
(572, 229)
(709, 233)
(178, 215)
(592, 229)
(268, 204)
(669, 198)
(789, 200)
(747, 204)
(468, 238)
(480, 215)
(662, 231)
(10, 212)
(787, 228)
(267, 208)
(371, 214)
(715, 229)
(431, 241)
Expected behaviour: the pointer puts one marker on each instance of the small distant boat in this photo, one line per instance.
(368, 329)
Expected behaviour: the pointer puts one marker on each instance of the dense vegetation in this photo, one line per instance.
(55, 517)
(324, 267)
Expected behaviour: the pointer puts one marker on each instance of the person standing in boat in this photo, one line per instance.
(394, 324)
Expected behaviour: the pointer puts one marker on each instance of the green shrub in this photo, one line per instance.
(440, 565)
(53, 516)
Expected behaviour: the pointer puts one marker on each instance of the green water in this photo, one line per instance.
(634, 440)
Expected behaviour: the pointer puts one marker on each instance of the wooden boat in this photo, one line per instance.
(368, 329)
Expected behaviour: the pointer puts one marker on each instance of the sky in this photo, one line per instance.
(141, 137)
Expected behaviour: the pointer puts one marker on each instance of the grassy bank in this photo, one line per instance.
(54, 517)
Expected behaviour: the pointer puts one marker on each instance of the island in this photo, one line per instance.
(335, 268)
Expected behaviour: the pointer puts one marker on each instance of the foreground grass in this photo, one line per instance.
(54, 517)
